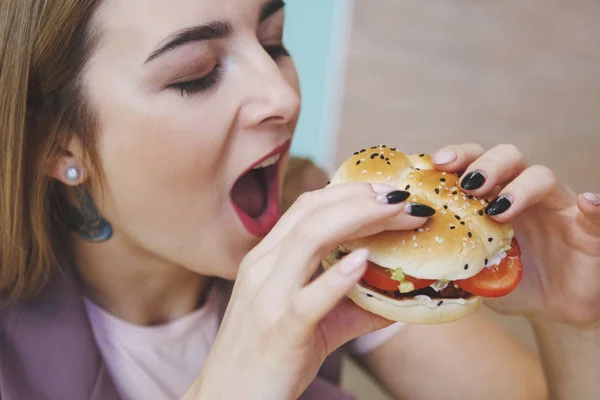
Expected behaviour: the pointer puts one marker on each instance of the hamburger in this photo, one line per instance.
(440, 272)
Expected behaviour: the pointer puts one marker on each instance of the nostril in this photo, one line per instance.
(273, 119)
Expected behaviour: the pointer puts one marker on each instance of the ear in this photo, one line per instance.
(70, 161)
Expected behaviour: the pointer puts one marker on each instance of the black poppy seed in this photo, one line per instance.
(374, 155)
(328, 182)
(374, 147)
(470, 235)
(389, 163)
(445, 207)
(480, 212)
(462, 222)
(437, 191)
(363, 150)
(417, 169)
(441, 302)
(356, 153)
(407, 187)
(382, 157)
(369, 295)
(358, 162)
(466, 266)
(383, 145)
(387, 159)
(470, 196)
(455, 192)
(486, 261)
(490, 239)
(421, 155)
(452, 227)
(393, 149)
(457, 217)
(442, 179)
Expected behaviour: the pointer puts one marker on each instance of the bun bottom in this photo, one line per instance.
(411, 311)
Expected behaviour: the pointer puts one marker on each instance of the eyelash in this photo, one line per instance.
(208, 81)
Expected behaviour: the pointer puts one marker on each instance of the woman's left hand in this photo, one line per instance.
(558, 232)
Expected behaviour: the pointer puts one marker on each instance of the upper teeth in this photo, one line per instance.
(268, 162)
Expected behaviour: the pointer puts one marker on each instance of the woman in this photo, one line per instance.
(131, 136)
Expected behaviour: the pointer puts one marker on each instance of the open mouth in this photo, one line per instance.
(255, 195)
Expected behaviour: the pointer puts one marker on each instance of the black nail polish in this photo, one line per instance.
(498, 206)
(473, 180)
(419, 210)
(397, 196)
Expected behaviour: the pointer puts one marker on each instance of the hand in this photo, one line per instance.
(301, 176)
(558, 231)
(278, 328)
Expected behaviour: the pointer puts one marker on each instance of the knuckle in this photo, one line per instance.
(544, 173)
(476, 147)
(306, 200)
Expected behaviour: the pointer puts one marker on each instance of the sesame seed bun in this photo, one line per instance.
(456, 243)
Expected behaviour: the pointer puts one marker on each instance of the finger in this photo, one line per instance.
(317, 300)
(458, 157)
(311, 202)
(589, 205)
(532, 186)
(313, 238)
(501, 164)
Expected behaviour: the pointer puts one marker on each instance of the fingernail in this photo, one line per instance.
(499, 205)
(473, 180)
(354, 261)
(444, 157)
(419, 210)
(395, 197)
(381, 188)
(592, 198)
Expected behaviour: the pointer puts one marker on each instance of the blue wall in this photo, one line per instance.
(314, 33)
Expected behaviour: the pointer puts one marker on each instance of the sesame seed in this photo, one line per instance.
(417, 169)
(472, 246)
(443, 173)
(465, 206)
(393, 149)
(482, 202)
(427, 229)
(414, 237)
(444, 212)
(480, 212)
(388, 163)
(369, 295)
(452, 227)
(387, 159)
(456, 198)
(395, 248)
(374, 147)
(455, 192)
(379, 173)
(441, 241)
(389, 178)
(465, 239)
(421, 155)
(440, 302)
(392, 154)
(403, 242)
(437, 191)
(374, 155)
(382, 157)
(429, 249)
(457, 217)
(363, 150)
(358, 162)
(464, 245)
(407, 187)
(437, 238)
(470, 234)
(356, 153)
(383, 145)
(486, 261)
(442, 179)
(466, 266)
(420, 184)
(490, 240)
(416, 244)
(421, 230)
(470, 196)
(445, 207)
(462, 222)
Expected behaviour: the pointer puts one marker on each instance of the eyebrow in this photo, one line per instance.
(211, 31)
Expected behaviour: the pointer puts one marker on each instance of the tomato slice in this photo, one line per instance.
(381, 278)
(499, 280)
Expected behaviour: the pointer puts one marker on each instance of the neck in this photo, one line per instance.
(136, 286)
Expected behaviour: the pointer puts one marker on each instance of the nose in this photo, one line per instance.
(272, 93)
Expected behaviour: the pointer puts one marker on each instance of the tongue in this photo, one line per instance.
(249, 194)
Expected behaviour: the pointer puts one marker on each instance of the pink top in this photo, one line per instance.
(161, 362)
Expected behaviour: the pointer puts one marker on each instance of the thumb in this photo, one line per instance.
(589, 205)
(348, 321)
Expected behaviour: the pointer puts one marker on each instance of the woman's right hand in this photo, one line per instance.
(279, 327)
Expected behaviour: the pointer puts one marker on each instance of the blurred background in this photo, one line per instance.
(420, 75)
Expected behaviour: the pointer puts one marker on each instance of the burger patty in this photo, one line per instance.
(450, 292)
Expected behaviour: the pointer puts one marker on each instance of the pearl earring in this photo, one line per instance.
(73, 174)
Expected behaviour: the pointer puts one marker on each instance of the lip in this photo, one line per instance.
(262, 226)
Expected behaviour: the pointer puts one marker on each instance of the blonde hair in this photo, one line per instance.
(43, 48)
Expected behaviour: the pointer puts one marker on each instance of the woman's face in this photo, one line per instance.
(190, 95)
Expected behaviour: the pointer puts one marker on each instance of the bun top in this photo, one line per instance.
(456, 243)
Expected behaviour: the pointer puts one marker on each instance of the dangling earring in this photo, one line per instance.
(86, 222)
